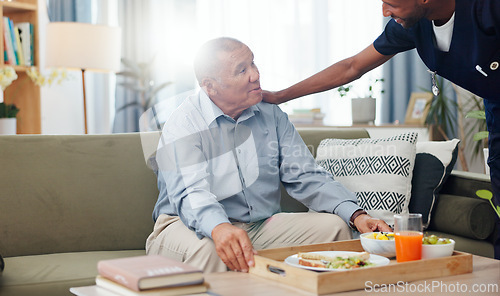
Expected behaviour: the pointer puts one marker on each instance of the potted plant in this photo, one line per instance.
(481, 136)
(141, 82)
(363, 107)
(442, 118)
(8, 112)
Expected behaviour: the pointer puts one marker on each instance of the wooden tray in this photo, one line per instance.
(269, 264)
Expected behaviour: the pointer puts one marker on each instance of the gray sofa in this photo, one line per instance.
(68, 201)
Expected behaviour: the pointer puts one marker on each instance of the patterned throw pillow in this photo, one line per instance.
(378, 171)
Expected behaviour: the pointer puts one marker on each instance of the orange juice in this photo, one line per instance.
(408, 245)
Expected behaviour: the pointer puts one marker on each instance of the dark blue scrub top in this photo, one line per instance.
(475, 42)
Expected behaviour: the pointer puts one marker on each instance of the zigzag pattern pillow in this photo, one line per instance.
(378, 171)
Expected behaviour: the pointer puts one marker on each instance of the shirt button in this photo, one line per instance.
(494, 66)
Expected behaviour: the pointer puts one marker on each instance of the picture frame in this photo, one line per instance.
(418, 108)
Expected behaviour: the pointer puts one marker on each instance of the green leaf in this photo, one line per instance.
(477, 114)
(130, 64)
(127, 105)
(480, 135)
(160, 87)
(484, 194)
(8, 110)
(129, 74)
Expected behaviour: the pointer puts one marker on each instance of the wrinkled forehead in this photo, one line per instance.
(233, 58)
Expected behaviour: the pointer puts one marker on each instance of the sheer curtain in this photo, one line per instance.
(135, 21)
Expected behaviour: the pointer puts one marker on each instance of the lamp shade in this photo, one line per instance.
(83, 46)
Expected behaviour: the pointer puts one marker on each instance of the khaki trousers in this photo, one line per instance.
(171, 238)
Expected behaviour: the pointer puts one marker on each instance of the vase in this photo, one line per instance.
(486, 153)
(363, 110)
(8, 126)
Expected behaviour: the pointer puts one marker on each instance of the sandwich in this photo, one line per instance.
(339, 262)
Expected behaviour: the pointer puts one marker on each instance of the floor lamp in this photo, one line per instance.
(84, 47)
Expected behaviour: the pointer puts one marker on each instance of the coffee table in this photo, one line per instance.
(484, 280)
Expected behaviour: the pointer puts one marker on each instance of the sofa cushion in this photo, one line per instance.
(379, 171)
(434, 162)
(54, 274)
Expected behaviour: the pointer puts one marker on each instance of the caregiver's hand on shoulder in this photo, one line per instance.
(271, 97)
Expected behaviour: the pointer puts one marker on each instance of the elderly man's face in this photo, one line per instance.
(238, 85)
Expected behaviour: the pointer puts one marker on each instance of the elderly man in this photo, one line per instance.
(221, 158)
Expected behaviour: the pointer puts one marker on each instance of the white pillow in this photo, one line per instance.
(378, 171)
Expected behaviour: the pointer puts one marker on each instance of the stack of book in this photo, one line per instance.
(307, 117)
(18, 40)
(149, 275)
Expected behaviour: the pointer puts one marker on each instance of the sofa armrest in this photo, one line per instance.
(468, 217)
(458, 197)
(466, 183)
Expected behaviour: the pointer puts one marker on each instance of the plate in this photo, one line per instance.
(375, 259)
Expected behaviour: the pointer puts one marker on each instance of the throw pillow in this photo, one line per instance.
(434, 162)
(378, 171)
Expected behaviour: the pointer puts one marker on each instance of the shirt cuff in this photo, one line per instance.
(208, 224)
(345, 210)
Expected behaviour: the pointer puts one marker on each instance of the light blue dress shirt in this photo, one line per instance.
(213, 169)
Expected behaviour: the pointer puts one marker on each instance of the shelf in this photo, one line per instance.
(19, 68)
(22, 92)
(12, 7)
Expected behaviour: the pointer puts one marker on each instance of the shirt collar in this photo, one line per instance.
(211, 112)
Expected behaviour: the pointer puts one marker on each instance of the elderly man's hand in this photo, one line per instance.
(366, 223)
(233, 246)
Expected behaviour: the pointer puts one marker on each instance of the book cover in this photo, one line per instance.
(124, 291)
(25, 37)
(148, 272)
(32, 49)
(8, 42)
(20, 53)
(5, 56)
(13, 41)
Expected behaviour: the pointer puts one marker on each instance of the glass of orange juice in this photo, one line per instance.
(408, 237)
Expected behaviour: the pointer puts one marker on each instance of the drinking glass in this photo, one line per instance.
(408, 237)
